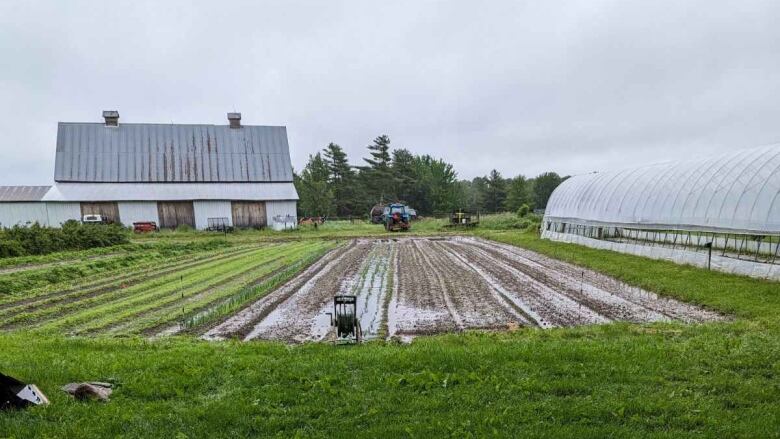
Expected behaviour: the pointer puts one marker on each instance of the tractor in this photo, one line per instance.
(396, 218)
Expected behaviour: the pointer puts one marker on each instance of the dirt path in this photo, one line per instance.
(420, 306)
(608, 295)
(471, 296)
(548, 307)
(303, 316)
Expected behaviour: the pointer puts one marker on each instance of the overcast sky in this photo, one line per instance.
(523, 87)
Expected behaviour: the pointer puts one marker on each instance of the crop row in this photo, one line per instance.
(158, 285)
(20, 284)
(207, 301)
(173, 295)
(205, 285)
(121, 278)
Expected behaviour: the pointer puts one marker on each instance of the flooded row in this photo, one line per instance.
(413, 286)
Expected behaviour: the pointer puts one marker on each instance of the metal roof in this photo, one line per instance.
(141, 153)
(171, 191)
(22, 193)
(739, 192)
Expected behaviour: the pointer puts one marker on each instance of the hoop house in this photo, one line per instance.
(732, 200)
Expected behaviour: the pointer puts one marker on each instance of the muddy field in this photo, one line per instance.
(414, 286)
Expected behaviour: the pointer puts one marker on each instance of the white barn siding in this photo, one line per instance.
(211, 209)
(61, 212)
(12, 214)
(281, 214)
(137, 211)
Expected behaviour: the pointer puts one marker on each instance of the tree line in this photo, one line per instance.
(330, 186)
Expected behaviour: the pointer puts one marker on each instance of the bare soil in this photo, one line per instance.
(413, 286)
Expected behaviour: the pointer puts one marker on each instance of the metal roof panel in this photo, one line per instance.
(22, 193)
(156, 153)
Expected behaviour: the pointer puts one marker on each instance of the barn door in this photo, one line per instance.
(175, 213)
(249, 214)
(108, 210)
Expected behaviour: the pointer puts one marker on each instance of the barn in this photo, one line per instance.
(172, 174)
(720, 212)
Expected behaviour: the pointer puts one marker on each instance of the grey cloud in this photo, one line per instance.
(523, 87)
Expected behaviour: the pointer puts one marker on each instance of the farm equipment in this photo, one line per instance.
(396, 218)
(458, 218)
(218, 224)
(377, 213)
(345, 319)
(311, 221)
(145, 226)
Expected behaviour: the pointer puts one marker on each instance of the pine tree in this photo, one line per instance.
(544, 185)
(518, 194)
(380, 154)
(437, 185)
(316, 197)
(377, 177)
(496, 192)
(405, 176)
(342, 180)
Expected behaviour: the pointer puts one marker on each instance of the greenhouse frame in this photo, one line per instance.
(721, 212)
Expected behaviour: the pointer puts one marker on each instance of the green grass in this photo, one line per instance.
(620, 380)
(330, 230)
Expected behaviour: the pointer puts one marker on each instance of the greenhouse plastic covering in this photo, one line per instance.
(737, 192)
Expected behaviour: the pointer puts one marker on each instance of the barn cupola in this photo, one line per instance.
(111, 117)
(234, 119)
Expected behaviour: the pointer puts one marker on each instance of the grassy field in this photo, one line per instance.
(656, 380)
